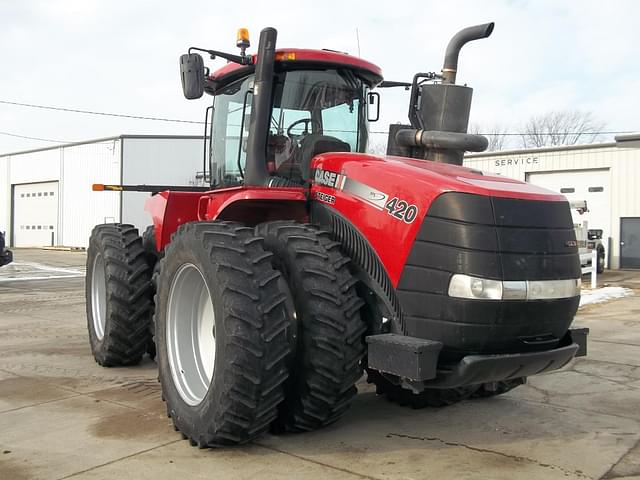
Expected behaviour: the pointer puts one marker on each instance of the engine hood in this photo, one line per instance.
(435, 177)
(386, 198)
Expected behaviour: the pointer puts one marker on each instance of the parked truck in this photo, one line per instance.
(6, 256)
(306, 261)
(588, 239)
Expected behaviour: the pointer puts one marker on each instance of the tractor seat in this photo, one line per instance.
(315, 144)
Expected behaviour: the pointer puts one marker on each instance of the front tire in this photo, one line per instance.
(330, 343)
(119, 295)
(221, 334)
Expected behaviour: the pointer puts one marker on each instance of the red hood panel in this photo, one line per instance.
(386, 198)
(441, 176)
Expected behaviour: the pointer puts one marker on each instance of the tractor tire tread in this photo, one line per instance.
(129, 296)
(330, 329)
(257, 349)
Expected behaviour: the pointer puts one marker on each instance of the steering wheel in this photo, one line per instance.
(307, 122)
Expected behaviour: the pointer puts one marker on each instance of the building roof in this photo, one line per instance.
(98, 140)
(631, 140)
(628, 141)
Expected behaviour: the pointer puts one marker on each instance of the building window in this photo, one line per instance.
(51, 194)
(39, 194)
(22, 195)
(567, 190)
(46, 193)
(50, 227)
(596, 189)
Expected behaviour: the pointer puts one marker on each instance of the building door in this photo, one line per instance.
(35, 214)
(630, 243)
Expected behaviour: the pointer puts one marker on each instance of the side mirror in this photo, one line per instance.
(192, 75)
(373, 106)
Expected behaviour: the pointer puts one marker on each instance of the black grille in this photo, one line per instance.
(499, 238)
(496, 238)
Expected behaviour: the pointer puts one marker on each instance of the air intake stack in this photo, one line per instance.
(439, 112)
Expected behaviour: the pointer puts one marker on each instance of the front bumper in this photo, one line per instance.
(416, 361)
(6, 257)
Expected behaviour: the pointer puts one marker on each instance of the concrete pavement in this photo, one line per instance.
(63, 416)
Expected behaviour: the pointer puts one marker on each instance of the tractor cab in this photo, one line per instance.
(318, 103)
(313, 111)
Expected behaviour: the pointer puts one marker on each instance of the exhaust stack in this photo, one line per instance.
(450, 67)
(255, 173)
(439, 112)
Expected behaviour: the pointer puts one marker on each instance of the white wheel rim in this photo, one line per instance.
(99, 296)
(190, 334)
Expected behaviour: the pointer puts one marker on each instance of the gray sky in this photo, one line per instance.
(121, 56)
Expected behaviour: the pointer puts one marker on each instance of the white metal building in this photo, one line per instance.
(46, 197)
(606, 175)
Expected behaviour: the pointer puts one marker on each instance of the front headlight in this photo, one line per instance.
(466, 286)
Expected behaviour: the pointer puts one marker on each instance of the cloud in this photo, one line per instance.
(122, 56)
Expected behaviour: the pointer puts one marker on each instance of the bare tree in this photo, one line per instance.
(566, 127)
(496, 135)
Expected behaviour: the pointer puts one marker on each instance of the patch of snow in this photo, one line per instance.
(23, 271)
(603, 294)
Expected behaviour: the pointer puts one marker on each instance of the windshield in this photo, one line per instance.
(228, 153)
(314, 111)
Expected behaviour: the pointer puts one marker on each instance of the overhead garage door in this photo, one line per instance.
(589, 185)
(35, 214)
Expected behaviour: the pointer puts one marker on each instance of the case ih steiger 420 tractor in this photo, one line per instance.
(306, 261)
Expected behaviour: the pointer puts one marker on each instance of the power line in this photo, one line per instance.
(104, 114)
(32, 138)
(560, 133)
(515, 134)
(176, 120)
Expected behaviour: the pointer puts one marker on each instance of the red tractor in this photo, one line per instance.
(306, 261)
